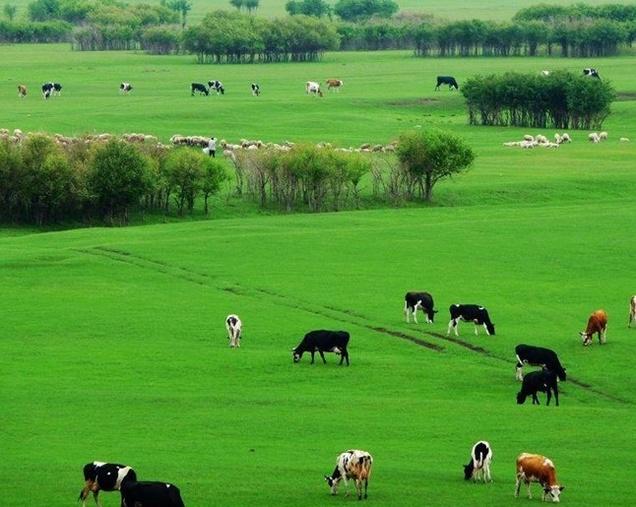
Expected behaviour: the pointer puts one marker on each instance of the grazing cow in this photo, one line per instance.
(234, 326)
(545, 72)
(199, 87)
(217, 86)
(597, 323)
(538, 356)
(334, 84)
(415, 300)
(323, 341)
(544, 381)
(447, 80)
(50, 89)
(537, 468)
(353, 464)
(590, 72)
(256, 89)
(22, 90)
(479, 465)
(125, 88)
(313, 87)
(150, 494)
(104, 476)
(632, 311)
(478, 314)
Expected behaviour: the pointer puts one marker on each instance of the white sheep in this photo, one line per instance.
(593, 137)
(624, 139)
(527, 144)
(529, 138)
(541, 139)
(602, 136)
(513, 143)
(565, 138)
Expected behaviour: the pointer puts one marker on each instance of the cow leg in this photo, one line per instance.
(548, 392)
(535, 399)
(529, 492)
(323, 356)
(488, 476)
(366, 487)
(556, 395)
(96, 497)
(476, 329)
(406, 312)
(517, 485)
(519, 371)
(452, 325)
(417, 305)
(312, 356)
(604, 335)
(486, 328)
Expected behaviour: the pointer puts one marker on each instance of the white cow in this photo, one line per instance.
(313, 87)
(234, 326)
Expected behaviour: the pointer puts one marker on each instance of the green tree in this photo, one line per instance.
(213, 176)
(315, 8)
(239, 4)
(251, 5)
(186, 170)
(356, 10)
(432, 155)
(9, 11)
(44, 10)
(183, 7)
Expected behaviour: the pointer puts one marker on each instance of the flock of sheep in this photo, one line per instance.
(542, 141)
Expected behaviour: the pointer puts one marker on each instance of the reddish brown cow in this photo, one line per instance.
(334, 83)
(632, 311)
(537, 468)
(597, 323)
(22, 90)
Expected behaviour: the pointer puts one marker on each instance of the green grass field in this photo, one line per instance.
(112, 343)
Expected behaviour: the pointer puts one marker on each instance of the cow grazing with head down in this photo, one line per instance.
(538, 356)
(447, 80)
(22, 91)
(535, 381)
(199, 88)
(234, 327)
(217, 86)
(125, 88)
(104, 476)
(479, 465)
(415, 300)
(537, 468)
(256, 89)
(591, 72)
(475, 313)
(597, 323)
(49, 89)
(334, 84)
(323, 341)
(353, 464)
(150, 494)
(311, 87)
(632, 311)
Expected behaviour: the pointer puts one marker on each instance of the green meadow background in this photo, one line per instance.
(112, 340)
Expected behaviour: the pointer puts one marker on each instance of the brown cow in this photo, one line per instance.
(537, 468)
(632, 311)
(336, 84)
(597, 323)
(353, 464)
(22, 90)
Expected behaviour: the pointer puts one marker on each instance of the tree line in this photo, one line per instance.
(44, 182)
(561, 100)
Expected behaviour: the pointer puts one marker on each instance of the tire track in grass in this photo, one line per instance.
(341, 315)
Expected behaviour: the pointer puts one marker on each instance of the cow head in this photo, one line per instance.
(521, 398)
(296, 355)
(552, 493)
(431, 315)
(491, 328)
(333, 483)
(587, 339)
(468, 471)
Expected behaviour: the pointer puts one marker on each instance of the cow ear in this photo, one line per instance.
(561, 488)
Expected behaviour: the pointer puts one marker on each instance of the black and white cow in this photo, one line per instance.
(150, 494)
(535, 381)
(217, 86)
(125, 88)
(475, 313)
(199, 87)
(479, 465)
(591, 72)
(353, 464)
(415, 300)
(256, 89)
(538, 356)
(104, 476)
(234, 327)
(323, 341)
(447, 80)
(50, 89)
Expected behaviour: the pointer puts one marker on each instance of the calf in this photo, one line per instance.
(104, 476)
(415, 300)
(538, 356)
(353, 464)
(22, 90)
(334, 84)
(217, 86)
(537, 468)
(150, 494)
(632, 311)
(447, 80)
(590, 72)
(479, 465)
(478, 314)
(199, 87)
(313, 88)
(323, 341)
(234, 326)
(256, 89)
(597, 323)
(125, 88)
(535, 381)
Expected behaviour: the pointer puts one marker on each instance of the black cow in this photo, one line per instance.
(478, 314)
(590, 72)
(49, 89)
(447, 80)
(256, 89)
(535, 381)
(150, 494)
(415, 300)
(217, 86)
(323, 341)
(104, 476)
(538, 356)
(198, 87)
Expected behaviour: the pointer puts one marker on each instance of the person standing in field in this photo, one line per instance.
(212, 147)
